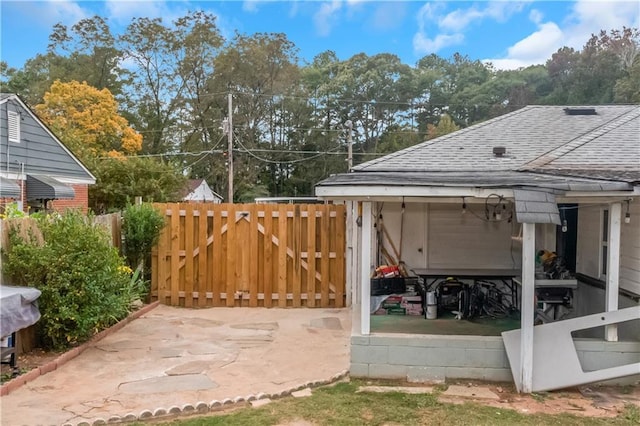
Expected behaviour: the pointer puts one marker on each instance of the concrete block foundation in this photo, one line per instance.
(433, 358)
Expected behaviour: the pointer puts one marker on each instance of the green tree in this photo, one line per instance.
(170, 65)
(120, 180)
(85, 52)
(262, 73)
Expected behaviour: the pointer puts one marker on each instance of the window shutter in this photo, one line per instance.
(14, 126)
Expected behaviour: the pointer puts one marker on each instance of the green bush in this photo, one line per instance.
(141, 228)
(85, 284)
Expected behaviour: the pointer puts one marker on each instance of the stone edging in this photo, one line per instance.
(17, 382)
(202, 407)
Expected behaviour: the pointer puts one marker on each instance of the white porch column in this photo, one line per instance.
(613, 269)
(365, 269)
(350, 267)
(527, 310)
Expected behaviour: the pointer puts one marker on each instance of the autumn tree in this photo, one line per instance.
(87, 121)
(445, 126)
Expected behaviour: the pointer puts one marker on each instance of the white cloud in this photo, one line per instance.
(250, 6)
(326, 17)
(427, 18)
(536, 16)
(539, 45)
(425, 45)
(460, 19)
(388, 16)
(48, 13)
(453, 25)
(122, 12)
(587, 17)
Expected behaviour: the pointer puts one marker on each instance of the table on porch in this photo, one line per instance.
(18, 310)
(431, 276)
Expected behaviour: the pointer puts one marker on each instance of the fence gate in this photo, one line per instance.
(284, 255)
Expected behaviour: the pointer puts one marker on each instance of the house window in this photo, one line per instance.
(604, 243)
(14, 126)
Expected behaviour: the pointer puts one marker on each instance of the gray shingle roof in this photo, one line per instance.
(545, 148)
(536, 207)
(527, 134)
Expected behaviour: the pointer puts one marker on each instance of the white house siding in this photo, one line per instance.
(203, 193)
(441, 236)
(630, 250)
(589, 250)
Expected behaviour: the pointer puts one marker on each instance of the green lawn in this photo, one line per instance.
(341, 405)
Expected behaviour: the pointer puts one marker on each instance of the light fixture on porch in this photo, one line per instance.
(627, 215)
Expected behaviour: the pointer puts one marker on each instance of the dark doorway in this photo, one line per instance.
(567, 235)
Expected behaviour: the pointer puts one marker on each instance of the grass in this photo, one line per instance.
(341, 405)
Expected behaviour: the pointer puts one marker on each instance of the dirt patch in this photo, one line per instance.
(589, 401)
(27, 362)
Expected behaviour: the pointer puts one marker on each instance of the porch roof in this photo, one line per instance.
(544, 147)
(472, 179)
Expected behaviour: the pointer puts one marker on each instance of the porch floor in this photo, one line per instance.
(445, 324)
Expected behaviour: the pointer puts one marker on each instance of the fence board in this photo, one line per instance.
(282, 256)
(297, 249)
(311, 256)
(174, 275)
(203, 236)
(268, 254)
(250, 255)
(218, 260)
(324, 268)
(253, 256)
(232, 252)
(189, 225)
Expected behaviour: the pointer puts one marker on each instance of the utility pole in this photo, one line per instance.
(230, 147)
(349, 125)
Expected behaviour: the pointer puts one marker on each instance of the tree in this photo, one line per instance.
(170, 66)
(119, 180)
(261, 72)
(85, 52)
(87, 121)
(91, 54)
(445, 126)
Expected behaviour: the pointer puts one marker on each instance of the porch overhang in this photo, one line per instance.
(9, 189)
(47, 188)
(459, 184)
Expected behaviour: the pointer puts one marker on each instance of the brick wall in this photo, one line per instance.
(81, 200)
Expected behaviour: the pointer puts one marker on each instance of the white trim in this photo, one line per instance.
(600, 194)
(365, 270)
(613, 268)
(373, 192)
(13, 123)
(527, 310)
(74, 181)
(349, 267)
(46, 129)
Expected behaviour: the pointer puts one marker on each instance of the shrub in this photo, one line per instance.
(141, 228)
(84, 282)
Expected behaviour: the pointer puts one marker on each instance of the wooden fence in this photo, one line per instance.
(284, 255)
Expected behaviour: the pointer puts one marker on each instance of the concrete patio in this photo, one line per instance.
(183, 360)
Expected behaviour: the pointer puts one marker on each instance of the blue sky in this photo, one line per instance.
(508, 33)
